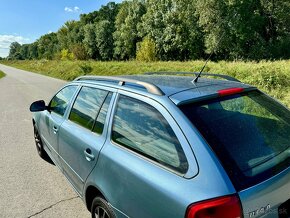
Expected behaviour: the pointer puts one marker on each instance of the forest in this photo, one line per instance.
(168, 30)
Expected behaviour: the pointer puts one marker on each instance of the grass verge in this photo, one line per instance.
(2, 74)
(273, 77)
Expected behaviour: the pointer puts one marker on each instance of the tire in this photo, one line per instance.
(101, 209)
(39, 146)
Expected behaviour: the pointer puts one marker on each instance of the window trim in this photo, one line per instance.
(189, 156)
(94, 124)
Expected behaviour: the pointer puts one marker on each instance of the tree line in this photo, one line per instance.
(151, 30)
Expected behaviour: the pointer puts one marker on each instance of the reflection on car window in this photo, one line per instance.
(249, 132)
(100, 121)
(86, 106)
(141, 128)
(60, 101)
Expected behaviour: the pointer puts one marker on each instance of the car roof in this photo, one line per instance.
(177, 88)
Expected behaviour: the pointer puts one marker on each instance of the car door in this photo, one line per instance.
(53, 118)
(146, 156)
(82, 135)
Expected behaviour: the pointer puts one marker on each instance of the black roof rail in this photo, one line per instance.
(194, 73)
(151, 88)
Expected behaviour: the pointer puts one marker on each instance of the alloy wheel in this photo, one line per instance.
(101, 212)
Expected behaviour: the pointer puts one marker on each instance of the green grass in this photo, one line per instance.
(2, 74)
(273, 77)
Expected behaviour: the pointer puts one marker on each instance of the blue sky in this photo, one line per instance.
(26, 20)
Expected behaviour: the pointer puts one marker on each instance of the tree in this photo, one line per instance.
(14, 52)
(173, 27)
(106, 12)
(90, 41)
(126, 34)
(47, 46)
(244, 29)
(277, 28)
(24, 51)
(178, 29)
(69, 34)
(104, 40)
(33, 51)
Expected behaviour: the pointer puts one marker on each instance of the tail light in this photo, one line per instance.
(223, 207)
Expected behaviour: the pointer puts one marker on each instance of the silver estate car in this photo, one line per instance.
(168, 146)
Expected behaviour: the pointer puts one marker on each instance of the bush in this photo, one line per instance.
(66, 55)
(85, 69)
(146, 50)
(79, 52)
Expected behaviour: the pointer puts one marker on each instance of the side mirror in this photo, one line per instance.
(37, 106)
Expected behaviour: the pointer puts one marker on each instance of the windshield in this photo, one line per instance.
(249, 132)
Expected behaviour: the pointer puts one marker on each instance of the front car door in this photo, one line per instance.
(82, 135)
(52, 118)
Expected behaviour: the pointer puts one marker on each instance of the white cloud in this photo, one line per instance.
(6, 40)
(72, 10)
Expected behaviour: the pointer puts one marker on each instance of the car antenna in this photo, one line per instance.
(198, 75)
(207, 60)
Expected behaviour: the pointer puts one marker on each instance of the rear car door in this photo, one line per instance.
(82, 135)
(146, 156)
(52, 118)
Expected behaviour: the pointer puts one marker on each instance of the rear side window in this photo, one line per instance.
(59, 102)
(250, 133)
(142, 129)
(86, 106)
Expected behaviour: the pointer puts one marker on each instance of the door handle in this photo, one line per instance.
(55, 129)
(88, 154)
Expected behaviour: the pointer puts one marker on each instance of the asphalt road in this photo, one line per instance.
(29, 186)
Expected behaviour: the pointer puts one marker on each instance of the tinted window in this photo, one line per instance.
(248, 132)
(100, 121)
(60, 101)
(87, 106)
(141, 128)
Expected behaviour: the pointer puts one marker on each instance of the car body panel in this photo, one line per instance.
(49, 124)
(264, 199)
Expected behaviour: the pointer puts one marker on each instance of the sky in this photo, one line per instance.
(25, 21)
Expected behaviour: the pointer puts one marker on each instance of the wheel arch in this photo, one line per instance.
(90, 194)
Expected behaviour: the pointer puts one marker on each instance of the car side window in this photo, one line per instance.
(60, 101)
(100, 121)
(141, 128)
(87, 106)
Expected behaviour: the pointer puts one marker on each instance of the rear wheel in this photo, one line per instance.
(101, 209)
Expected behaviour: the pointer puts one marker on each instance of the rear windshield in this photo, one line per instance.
(249, 132)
